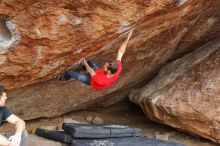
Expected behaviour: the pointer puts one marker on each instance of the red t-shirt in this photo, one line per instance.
(100, 80)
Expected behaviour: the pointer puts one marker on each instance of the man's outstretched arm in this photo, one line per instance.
(88, 68)
(121, 50)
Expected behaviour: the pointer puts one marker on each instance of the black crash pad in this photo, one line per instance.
(100, 131)
(60, 136)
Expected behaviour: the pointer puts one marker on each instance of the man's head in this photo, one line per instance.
(3, 96)
(110, 67)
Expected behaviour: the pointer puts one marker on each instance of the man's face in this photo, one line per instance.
(3, 99)
(105, 67)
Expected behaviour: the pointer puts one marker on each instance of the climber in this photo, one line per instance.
(95, 77)
(19, 138)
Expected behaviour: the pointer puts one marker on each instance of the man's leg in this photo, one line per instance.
(24, 137)
(85, 77)
(91, 64)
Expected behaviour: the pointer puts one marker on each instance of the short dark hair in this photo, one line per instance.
(2, 89)
(113, 67)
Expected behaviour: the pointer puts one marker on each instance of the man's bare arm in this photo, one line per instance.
(4, 141)
(122, 49)
(19, 124)
(88, 68)
(19, 128)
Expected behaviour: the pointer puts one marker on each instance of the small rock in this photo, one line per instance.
(97, 120)
(89, 119)
(162, 136)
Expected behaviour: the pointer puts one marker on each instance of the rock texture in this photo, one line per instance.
(55, 35)
(185, 93)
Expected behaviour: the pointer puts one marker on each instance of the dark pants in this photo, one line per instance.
(83, 77)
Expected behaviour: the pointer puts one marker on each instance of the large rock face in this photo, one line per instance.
(185, 94)
(44, 38)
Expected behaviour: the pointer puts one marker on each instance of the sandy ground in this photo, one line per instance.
(124, 113)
